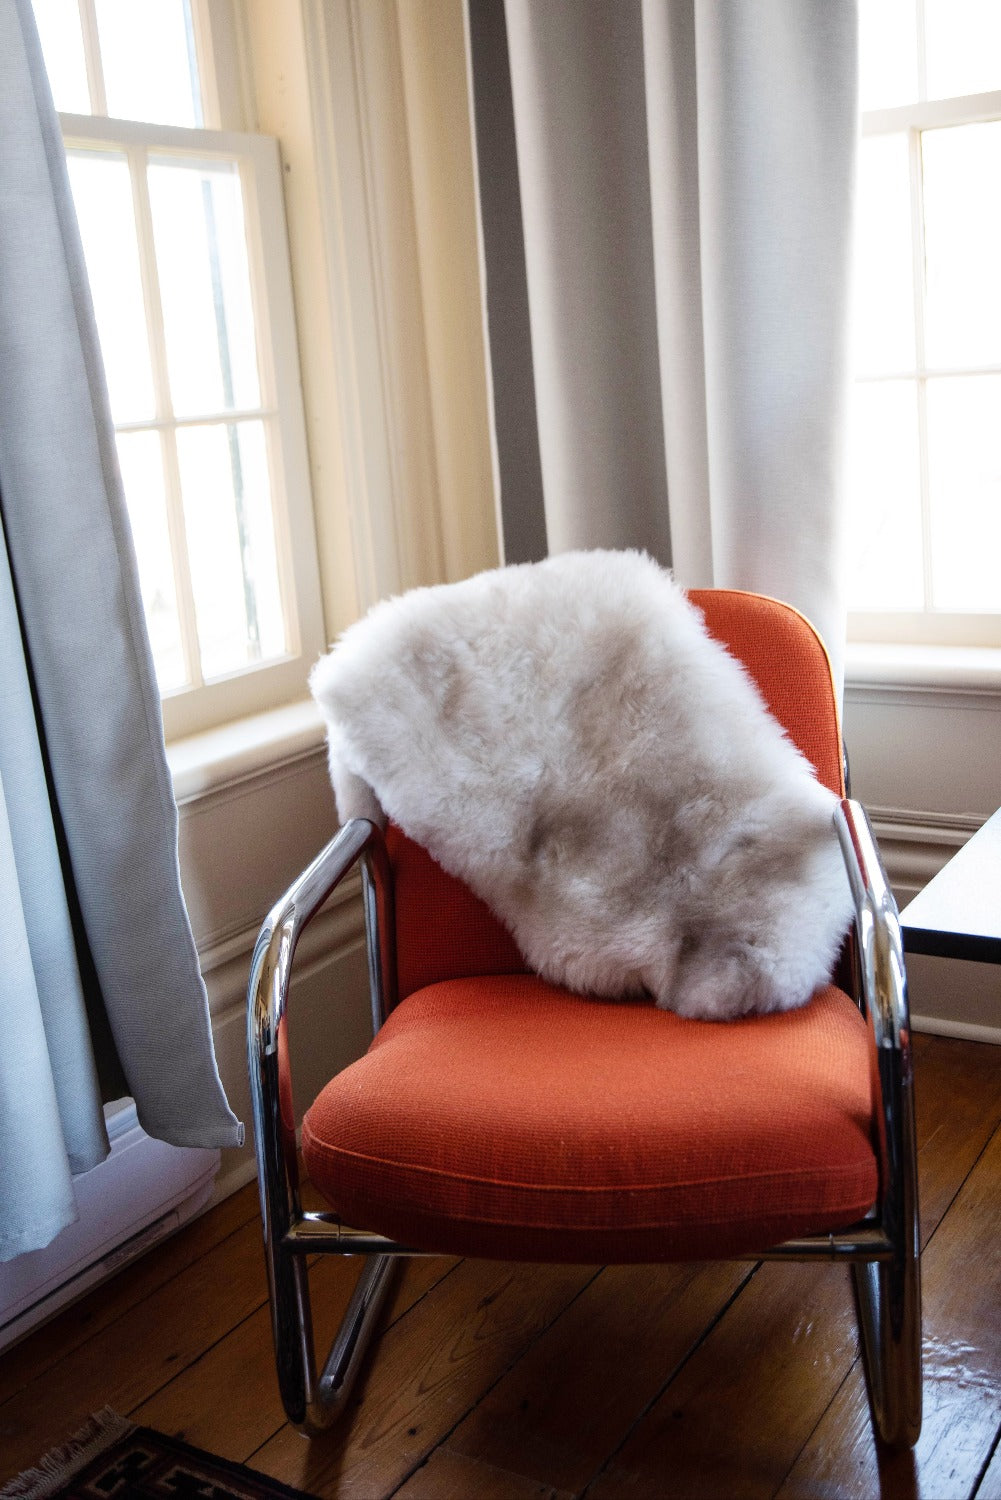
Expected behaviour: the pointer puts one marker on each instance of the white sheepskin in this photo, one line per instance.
(567, 738)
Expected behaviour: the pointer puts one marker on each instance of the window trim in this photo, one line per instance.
(187, 711)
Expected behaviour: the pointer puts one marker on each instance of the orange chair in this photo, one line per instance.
(497, 1115)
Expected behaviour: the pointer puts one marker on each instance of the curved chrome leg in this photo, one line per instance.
(310, 1403)
(889, 1311)
(292, 1328)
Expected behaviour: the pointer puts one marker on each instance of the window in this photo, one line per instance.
(183, 234)
(926, 446)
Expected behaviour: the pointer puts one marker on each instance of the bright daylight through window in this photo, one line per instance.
(925, 531)
(184, 241)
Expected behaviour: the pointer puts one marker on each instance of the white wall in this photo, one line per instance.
(926, 762)
(243, 839)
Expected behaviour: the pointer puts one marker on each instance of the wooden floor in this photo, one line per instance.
(524, 1382)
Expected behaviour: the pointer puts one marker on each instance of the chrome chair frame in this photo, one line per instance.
(882, 1249)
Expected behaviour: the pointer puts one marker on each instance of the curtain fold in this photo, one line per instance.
(576, 81)
(686, 176)
(79, 724)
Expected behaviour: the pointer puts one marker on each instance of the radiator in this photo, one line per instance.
(142, 1192)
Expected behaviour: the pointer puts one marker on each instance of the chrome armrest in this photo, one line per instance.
(877, 927)
(268, 991)
(884, 999)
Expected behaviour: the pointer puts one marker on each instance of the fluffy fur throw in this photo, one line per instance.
(567, 738)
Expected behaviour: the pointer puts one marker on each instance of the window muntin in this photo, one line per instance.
(183, 233)
(128, 59)
(925, 476)
(913, 50)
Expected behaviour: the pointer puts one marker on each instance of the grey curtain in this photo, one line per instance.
(99, 979)
(673, 287)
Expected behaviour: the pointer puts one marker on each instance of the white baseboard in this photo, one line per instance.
(231, 1181)
(966, 1031)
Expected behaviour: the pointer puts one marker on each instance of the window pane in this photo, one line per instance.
(148, 54)
(62, 47)
(962, 46)
(141, 463)
(201, 250)
(884, 267)
(885, 498)
(888, 53)
(962, 171)
(964, 474)
(231, 545)
(102, 195)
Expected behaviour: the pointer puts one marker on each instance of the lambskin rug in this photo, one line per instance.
(568, 739)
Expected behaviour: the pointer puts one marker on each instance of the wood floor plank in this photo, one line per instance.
(738, 1412)
(958, 1094)
(206, 1405)
(414, 1280)
(453, 1476)
(962, 1370)
(25, 1361)
(433, 1366)
(568, 1404)
(126, 1361)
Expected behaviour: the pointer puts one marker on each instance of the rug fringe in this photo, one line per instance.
(60, 1464)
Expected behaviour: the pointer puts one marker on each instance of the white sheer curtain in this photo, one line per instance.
(98, 973)
(684, 173)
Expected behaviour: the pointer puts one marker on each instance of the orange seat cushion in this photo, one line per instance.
(501, 1116)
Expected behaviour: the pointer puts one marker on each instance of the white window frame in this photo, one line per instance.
(930, 626)
(222, 75)
(252, 689)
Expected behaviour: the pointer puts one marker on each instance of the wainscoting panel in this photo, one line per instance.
(329, 1025)
(925, 749)
(948, 997)
(243, 838)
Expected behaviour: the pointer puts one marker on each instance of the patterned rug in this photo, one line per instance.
(109, 1459)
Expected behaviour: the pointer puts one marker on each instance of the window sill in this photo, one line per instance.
(933, 670)
(203, 762)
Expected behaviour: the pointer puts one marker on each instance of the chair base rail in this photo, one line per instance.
(324, 1233)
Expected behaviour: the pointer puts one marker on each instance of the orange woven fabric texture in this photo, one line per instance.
(504, 1117)
(784, 655)
(443, 931)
